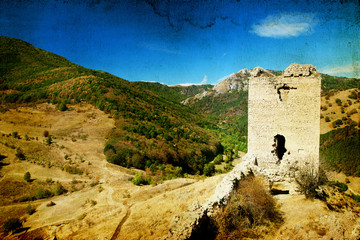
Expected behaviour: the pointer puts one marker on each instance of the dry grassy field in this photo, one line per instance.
(348, 109)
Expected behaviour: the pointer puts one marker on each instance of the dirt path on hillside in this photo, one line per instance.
(118, 228)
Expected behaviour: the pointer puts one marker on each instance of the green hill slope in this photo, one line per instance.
(329, 83)
(174, 93)
(150, 129)
(340, 150)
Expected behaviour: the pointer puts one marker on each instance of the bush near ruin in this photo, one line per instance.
(250, 212)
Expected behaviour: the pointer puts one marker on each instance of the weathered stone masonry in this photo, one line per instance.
(284, 118)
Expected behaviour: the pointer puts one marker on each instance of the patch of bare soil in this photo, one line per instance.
(313, 219)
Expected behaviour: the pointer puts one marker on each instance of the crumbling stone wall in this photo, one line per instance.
(284, 118)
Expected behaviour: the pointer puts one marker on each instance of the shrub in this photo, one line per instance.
(48, 140)
(108, 146)
(139, 179)
(338, 102)
(94, 183)
(355, 197)
(218, 159)
(19, 154)
(72, 169)
(341, 186)
(178, 171)
(27, 176)
(59, 189)
(62, 106)
(308, 182)
(209, 169)
(14, 134)
(11, 225)
(30, 210)
(46, 133)
(327, 119)
(353, 95)
(49, 180)
(42, 193)
(250, 207)
(337, 123)
(228, 167)
(153, 167)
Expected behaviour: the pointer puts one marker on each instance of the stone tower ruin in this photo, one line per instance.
(284, 118)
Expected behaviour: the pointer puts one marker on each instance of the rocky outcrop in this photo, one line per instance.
(235, 82)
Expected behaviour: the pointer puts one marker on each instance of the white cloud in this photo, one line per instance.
(204, 80)
(285, 25)
(352, 69)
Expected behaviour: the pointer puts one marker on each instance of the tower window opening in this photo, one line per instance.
(280, 150)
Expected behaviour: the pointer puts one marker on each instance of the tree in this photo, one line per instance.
(30, 210)
(27, 176)
(46, 133)
(49, 140)
(59, 189)
(62, 106)
(11, 225)
(19, 154)
(209, 169)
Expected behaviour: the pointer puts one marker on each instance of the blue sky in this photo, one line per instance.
(177, 42)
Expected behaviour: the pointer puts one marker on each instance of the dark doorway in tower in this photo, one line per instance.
(280, 149)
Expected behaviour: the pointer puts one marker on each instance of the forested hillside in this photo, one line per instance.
(150, 129)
